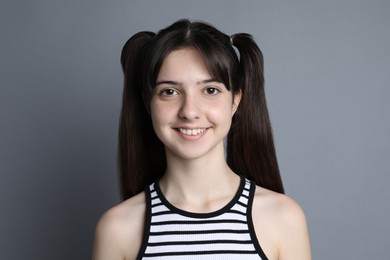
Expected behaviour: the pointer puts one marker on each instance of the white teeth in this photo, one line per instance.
(192, 131)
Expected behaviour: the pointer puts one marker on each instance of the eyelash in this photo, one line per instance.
(215, 90)
(168, 92)
(171, 92)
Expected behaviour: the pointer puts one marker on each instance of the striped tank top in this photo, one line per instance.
(226, 234)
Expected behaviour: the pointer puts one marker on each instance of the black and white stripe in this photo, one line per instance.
(226, 234)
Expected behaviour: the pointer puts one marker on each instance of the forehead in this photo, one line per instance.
(184, 64)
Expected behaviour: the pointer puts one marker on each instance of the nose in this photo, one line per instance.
(189, 108)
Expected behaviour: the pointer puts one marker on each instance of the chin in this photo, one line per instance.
(193, 153)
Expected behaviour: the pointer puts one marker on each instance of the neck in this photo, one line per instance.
(201, 184)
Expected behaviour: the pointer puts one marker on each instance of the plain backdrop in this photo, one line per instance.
(327, 68)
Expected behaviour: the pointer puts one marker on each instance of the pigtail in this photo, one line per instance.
(250, 146)
(138, 144)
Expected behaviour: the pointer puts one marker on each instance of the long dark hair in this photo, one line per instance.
(250, 147)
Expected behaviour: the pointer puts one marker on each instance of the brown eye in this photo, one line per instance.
(211, 91)
(168, 92)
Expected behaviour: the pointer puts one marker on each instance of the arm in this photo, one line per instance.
(119, 232)
(294, 240)
(280, 226)
(108, 239)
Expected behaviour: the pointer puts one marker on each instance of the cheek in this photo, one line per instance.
(221, 113)
(160, 113)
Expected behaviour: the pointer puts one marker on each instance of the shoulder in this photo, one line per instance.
(281, 225)
(119, 231)
(279, 206)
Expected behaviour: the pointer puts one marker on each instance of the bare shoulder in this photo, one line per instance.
(280, 226)
(119, 231)
(278, 206)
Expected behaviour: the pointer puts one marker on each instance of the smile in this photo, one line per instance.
(191, 131)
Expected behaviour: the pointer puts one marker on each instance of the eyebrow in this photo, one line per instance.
(170, 82)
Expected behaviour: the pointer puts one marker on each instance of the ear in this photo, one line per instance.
(236, 101)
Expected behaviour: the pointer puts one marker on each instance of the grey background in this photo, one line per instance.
(327, 74)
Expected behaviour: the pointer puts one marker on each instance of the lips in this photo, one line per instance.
(192, 132)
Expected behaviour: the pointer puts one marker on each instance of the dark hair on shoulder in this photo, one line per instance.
(250, 147)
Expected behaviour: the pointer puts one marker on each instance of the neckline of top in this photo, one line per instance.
(215, 213)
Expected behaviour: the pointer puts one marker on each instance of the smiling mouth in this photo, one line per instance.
(191, 131)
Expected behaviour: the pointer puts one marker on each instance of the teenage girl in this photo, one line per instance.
(198, 169)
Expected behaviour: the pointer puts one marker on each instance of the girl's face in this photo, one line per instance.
(191, 112)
